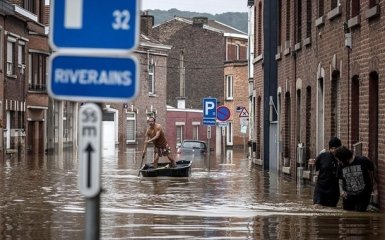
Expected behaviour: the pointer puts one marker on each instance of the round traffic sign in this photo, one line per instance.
(223, 113)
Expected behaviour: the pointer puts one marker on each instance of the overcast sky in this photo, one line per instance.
(202, 6)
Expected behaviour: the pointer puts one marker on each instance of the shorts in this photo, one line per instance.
(162, 151)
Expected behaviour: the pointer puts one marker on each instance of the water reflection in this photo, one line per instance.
(234, 200)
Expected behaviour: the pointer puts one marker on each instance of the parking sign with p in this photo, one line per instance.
(209, 111)
(209, 108)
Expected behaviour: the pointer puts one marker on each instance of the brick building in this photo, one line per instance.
(329, 79)
(24, 101)
(236, 98)
(198, 54)
(185, 124)
(130, 118)
(207, 59)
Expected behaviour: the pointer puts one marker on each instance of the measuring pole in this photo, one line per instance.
(90, 127)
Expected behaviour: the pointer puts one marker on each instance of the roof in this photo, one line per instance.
(213, 25)
(225, 28)
(147, 41)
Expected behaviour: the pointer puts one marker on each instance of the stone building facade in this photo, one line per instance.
(329, 80)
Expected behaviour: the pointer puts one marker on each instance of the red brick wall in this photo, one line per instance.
(204, 54)
(187, 117)
(299, 67)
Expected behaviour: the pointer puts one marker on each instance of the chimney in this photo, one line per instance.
(199, 21)
(146, 23)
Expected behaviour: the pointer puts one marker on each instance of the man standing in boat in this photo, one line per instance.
(155, 134)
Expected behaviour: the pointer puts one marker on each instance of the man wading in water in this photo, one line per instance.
(155, 134)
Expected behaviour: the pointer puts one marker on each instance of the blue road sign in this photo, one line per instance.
(210, 108)
(223, 113)
(93, 78)
(209, 121)
(95, 24)
(209, 111)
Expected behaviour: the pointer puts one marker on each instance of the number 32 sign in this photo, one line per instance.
(95, 24)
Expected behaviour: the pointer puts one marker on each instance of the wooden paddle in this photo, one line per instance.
(140, 165)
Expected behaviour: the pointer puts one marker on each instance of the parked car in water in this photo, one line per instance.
(192, 147)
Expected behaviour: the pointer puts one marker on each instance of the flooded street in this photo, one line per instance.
(234, 200)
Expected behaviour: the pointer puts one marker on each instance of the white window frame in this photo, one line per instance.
(11, 51)
(229, 134)
(1, 48)
(195, 129)
(21, 56)
(229, 87)
(151, 77)
(131, 117)
(238, 49)
(179, 132)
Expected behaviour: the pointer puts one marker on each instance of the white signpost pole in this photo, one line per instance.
(90, 128)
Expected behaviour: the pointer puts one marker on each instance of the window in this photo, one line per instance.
(299, 21)
(308, 18)
(16, 119)
(179, 134)
(229, 134)
(320, 8)
(279, 23)
(355, 119)
(237, 51)
(229, 87)
(288, 20)
(151, 77)
(21, 56)
(1, 49)
(37, 71)
(335, 104)
(355, 7)
(68, 121)
(131, 127)
(195, 129)
(11, 49)
(260, 12)
(31, 6)
(36, 7)
(333, 4)
(373, 3)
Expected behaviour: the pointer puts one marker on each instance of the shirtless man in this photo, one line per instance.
(155, 134)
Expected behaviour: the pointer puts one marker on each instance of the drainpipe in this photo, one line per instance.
(348, 45)
(251, 17)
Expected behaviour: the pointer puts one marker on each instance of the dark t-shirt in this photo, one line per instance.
(355, 176)
(327, 180)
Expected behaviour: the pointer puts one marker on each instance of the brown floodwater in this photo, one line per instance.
(234, 200)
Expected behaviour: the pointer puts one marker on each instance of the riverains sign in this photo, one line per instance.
(93, 78)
